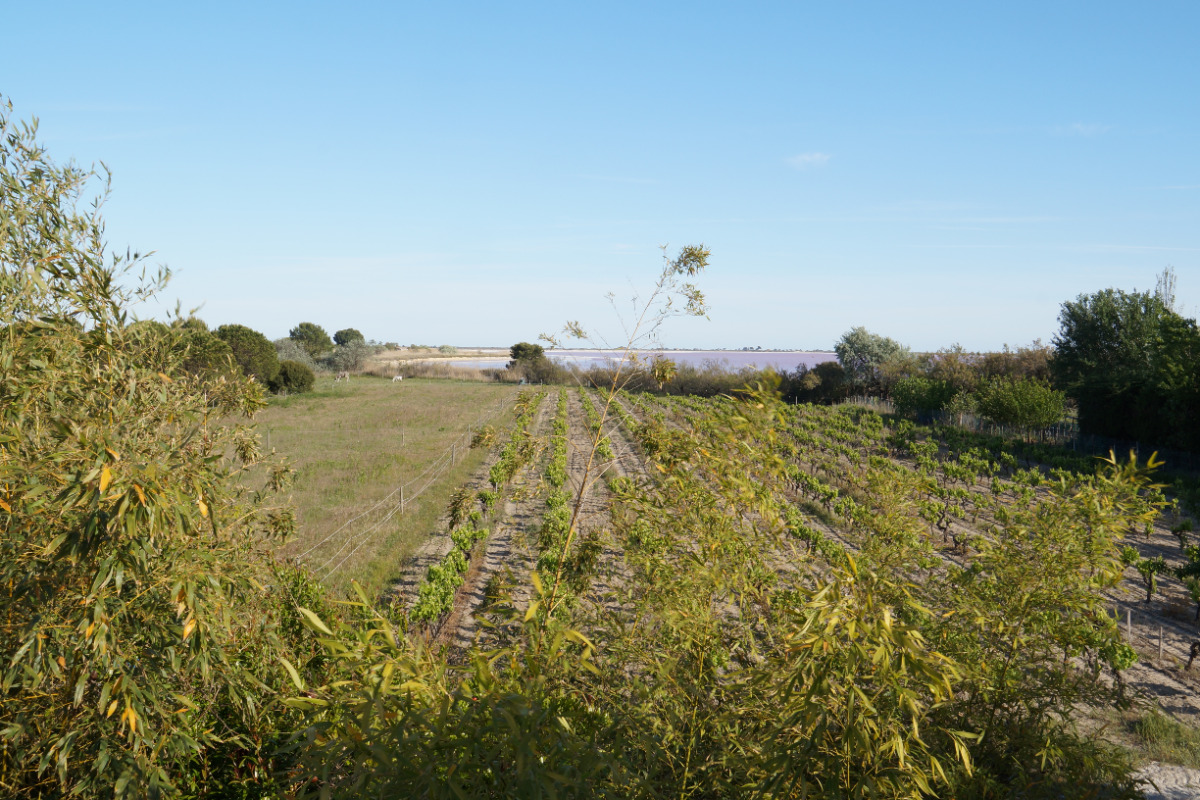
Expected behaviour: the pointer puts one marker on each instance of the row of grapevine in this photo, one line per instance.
(522, 446)
(556, 521)
(603, 446)
(435, 597)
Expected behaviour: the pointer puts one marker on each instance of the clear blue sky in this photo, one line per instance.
(480, 173)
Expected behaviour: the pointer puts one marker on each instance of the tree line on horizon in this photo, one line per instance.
(1126, 363)
(285, 366)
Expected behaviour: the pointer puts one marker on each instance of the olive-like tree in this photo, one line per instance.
(861, 353)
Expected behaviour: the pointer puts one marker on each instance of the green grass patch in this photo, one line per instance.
(1167, 740)
(352, 446)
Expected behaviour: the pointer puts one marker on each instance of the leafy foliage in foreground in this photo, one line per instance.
(138, 645)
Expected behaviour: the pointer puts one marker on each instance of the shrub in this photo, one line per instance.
(1024, 403)
(290, 350)
(525, 352)
(921, 395)
(293, 378)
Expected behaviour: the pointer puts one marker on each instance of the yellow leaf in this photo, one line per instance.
(188, 627)
(116, 456)
(111, 708)
(105, 479)
(203, 506)
(141, 495)
(165, 377)
(5, 506)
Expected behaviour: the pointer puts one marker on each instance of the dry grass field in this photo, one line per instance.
(354, 445)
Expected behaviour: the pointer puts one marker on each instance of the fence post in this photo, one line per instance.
(1128, 622)
(1160, 642)
(401, 499)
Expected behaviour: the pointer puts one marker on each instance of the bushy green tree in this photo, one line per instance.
(293, 378)
(312, 337)
(921, 395)
(252, 351)
(524, 351)
(204, 352)
(348, 335)
(1130, 364)
(825, 383)
(956, 367)
(530, 362)
(861, 353)
(1023, 403)
(135, 634)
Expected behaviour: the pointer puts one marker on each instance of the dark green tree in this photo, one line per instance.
(524, 351)
(252, 351)
(293, 378)
(202, 351)
(1021, 402)
(191, 323)
(1169, 407)
(825, 383)
(1129, 363)
(312, 337)
(348, 335)
(921, 395)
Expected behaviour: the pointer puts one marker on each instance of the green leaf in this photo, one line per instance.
(295, 676)
(313, 622)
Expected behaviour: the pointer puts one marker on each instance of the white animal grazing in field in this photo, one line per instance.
(342, 376)
(397, 378)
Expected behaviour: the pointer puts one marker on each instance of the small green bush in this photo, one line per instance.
(293, 378)
(921, 395)
(1023, 403)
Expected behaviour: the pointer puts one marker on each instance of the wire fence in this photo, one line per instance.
(392, 504)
